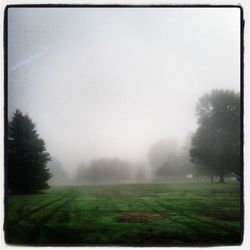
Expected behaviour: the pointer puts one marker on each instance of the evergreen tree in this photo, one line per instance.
(27, 157)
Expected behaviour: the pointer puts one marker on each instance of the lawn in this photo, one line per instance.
(127, 215)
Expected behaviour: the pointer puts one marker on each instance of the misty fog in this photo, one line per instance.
(113, 91)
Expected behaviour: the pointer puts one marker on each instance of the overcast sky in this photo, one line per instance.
(109, 82)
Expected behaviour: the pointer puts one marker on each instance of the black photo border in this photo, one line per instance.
(5, 91)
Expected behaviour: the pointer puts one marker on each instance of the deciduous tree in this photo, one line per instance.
(216, 144)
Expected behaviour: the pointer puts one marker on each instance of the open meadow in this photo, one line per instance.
(127, 215)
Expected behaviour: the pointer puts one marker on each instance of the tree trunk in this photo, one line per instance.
(211, 179)
(221, 178)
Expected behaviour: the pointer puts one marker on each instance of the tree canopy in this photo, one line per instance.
(215, 146)
(104, 170)
(26, 156)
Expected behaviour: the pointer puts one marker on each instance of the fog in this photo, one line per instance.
(105, 84)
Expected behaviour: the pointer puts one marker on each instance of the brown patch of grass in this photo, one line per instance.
(142, 217)
(228, 216)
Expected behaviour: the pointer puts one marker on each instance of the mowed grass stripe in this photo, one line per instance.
(133, 214)
(27, 212)
(24, 224)
(34, 235)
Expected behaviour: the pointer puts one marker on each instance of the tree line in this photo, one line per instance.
(110, 170)
(214, 149)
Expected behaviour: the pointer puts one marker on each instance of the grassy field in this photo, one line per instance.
(128, 215)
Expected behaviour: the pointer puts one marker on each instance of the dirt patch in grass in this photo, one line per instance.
(142, 217)
(228, 216)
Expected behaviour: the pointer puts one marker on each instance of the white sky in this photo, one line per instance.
(110, 82)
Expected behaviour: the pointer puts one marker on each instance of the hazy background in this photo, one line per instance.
(111, 82)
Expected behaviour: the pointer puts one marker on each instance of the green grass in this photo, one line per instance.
(128, 215)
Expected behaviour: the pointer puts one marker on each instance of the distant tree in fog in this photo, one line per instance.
(167, 160)
(26, 156)
(81, 173)
(216, 144)
(104, 170)
(140, 172)
(59, 176)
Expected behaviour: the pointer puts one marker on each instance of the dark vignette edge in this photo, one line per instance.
(5, 85)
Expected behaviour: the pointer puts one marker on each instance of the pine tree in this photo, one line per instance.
(26, 157)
